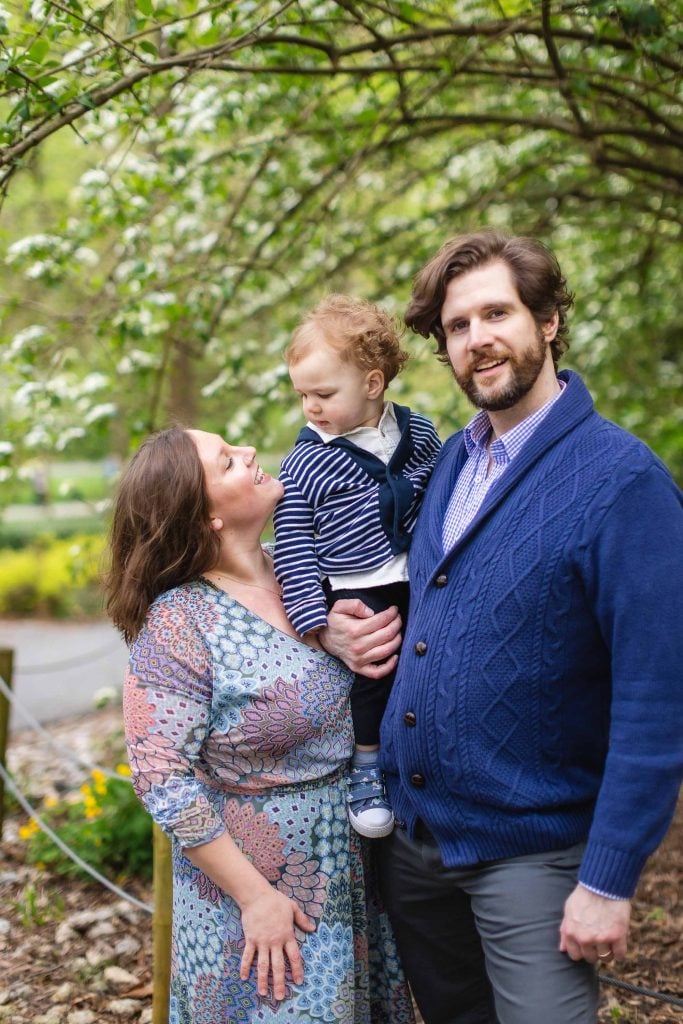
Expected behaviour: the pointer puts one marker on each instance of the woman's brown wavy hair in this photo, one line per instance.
(160, 534)
(534, 268)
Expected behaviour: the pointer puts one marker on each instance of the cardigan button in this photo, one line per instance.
(441, 581)
(409, 718)
(417, 780)
(420, 647)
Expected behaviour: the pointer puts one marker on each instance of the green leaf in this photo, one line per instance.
(22, 110)
(39, 50)
(145, 7)
(149, 48)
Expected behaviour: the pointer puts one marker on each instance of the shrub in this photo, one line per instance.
(53, 577)
(23, 533)
(105, 825)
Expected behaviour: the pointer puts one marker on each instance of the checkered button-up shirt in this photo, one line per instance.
(476, 477)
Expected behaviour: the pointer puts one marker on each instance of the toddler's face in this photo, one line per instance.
(337, 396)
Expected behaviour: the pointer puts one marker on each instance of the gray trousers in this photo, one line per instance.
(480, 945)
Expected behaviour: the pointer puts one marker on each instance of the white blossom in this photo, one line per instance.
(34, 332)
(100, 412)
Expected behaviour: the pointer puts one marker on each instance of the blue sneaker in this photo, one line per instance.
(369, 811)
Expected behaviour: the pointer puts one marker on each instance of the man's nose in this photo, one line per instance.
(311, 405)
(479, 334)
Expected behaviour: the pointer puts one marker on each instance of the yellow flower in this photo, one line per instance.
(100, 780)
(92, 811)
(86, 790)
(123, 769)
(50, 801)
(26, 831)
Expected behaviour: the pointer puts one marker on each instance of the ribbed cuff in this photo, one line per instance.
(606, 870)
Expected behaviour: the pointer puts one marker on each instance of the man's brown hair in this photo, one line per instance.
(360, 332)
(535, 272)
(160, 534)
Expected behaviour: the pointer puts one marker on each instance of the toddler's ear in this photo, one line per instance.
(216, 523)
(375, 383)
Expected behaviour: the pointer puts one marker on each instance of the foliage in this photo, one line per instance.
(25, 532)
(245, 158)
(36, 907)
(106, 826)
(54, 577)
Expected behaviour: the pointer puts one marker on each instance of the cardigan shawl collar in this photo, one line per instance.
(576, 405)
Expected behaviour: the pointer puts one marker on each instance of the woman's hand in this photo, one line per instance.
(268, 922)
(268, 916)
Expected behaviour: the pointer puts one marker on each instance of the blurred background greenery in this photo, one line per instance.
(182, 181)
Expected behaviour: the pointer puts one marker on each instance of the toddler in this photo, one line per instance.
(353, 486)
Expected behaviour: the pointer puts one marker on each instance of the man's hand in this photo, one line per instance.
(361, 638)
(594, 928)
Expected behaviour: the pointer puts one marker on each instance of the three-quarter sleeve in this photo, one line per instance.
(167, 707)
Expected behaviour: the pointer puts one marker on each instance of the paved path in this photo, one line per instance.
(59, 666)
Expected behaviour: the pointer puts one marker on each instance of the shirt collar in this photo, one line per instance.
(508, 444)
(386, 420)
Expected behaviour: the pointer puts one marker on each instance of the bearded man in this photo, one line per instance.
(532, 742)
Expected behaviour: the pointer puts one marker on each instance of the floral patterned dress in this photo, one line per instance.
(233, 725)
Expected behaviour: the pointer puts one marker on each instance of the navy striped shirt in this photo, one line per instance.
(344, 511)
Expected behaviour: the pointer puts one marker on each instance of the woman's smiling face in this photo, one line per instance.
(238, 490)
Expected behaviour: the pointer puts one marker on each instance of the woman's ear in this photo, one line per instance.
(215, 523)
(375, 383)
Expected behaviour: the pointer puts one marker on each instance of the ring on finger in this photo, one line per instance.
(607, 955)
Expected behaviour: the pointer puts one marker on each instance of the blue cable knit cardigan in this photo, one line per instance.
(539, 696)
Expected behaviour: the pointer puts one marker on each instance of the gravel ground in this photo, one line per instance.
(73, 953)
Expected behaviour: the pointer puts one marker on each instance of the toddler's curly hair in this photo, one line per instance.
(360, 332)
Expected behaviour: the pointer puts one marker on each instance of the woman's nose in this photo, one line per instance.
(248, 452)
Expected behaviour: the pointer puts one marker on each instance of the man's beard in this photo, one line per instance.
(525, 371)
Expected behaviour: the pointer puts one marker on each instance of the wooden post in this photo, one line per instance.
(161, 927)
(6, 670)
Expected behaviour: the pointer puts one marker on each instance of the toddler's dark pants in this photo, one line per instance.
(369, 696)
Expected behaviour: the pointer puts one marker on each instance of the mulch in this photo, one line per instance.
(58, 958)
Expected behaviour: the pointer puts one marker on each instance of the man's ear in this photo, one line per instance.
(375, 383)
(550, 329)
(215, 523)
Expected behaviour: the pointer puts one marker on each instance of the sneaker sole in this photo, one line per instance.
(372, 831)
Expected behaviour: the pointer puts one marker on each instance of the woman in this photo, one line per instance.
(238, 735)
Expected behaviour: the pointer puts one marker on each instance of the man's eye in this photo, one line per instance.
(497, 312)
